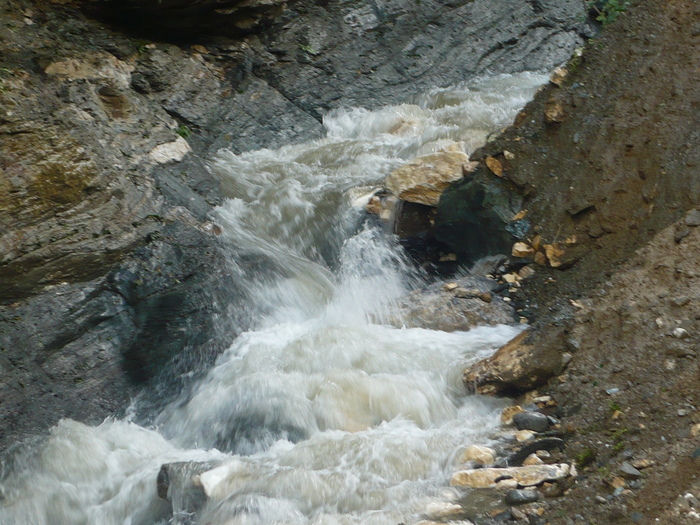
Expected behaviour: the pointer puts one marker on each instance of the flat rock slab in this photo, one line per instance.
(529, 476)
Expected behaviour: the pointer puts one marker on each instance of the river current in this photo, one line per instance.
(320, 413)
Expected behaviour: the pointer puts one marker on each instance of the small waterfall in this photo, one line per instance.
(321, 413)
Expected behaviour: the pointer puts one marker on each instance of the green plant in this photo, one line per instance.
(184, 131)
(614, 406)
(586, 457)
(608, 10)
(308, 49)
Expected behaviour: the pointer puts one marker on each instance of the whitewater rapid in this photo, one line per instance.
(321, 413)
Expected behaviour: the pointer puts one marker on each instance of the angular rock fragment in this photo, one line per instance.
(529, 476)
(423, 179)
(515, 367)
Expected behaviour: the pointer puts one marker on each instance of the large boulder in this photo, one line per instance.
(475, 217)
(423, 179)
(518, 366)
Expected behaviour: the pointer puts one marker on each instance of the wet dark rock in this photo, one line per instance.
(534, 421)
(518, 366)
(179, 484)
(473, 217)
(460, 304)
(547, 444)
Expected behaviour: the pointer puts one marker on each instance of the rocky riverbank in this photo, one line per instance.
(111, 268)
(113, 275)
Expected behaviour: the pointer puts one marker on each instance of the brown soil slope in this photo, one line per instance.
(610, 160)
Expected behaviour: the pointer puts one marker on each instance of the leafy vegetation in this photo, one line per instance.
(608, 10)
(184, 131)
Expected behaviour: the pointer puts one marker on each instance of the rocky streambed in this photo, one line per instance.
(115, 276)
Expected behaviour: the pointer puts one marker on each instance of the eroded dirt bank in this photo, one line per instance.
(609, 166)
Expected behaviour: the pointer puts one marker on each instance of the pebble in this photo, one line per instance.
(601, 499)
(680, 333)
(509, 412)
(521, 496)
(532, 459)
(628, 471)
(637, 517)
(479, 454)
(524, 435)
(534, 421)
(695, 430)
(682, 413)
(680, 301)
(693, 218)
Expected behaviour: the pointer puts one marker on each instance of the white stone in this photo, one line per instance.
(528, 476)
(524, 435)
(441, 510)
(170, 151)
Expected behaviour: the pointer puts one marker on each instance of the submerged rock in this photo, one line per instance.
(450, 309)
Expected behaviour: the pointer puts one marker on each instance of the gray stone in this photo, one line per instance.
(521, 496)
(627, 471)
(692, 219)
(534, 421)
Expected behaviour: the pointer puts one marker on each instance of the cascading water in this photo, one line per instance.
(321, 413)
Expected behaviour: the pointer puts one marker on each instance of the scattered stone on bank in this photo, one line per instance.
(521, 496)
(423, 179)
(558, 76)
(535, 421)
(509, 412)
(494, 165)
(628, 471)
(641, 464)
(521, 436)
(554, 112)
(533, 459)
(692, 219)
(529, 476)
(522, 249)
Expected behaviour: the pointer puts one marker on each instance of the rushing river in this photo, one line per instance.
(321, 413)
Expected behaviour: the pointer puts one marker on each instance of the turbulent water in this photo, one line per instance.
(321, 413)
